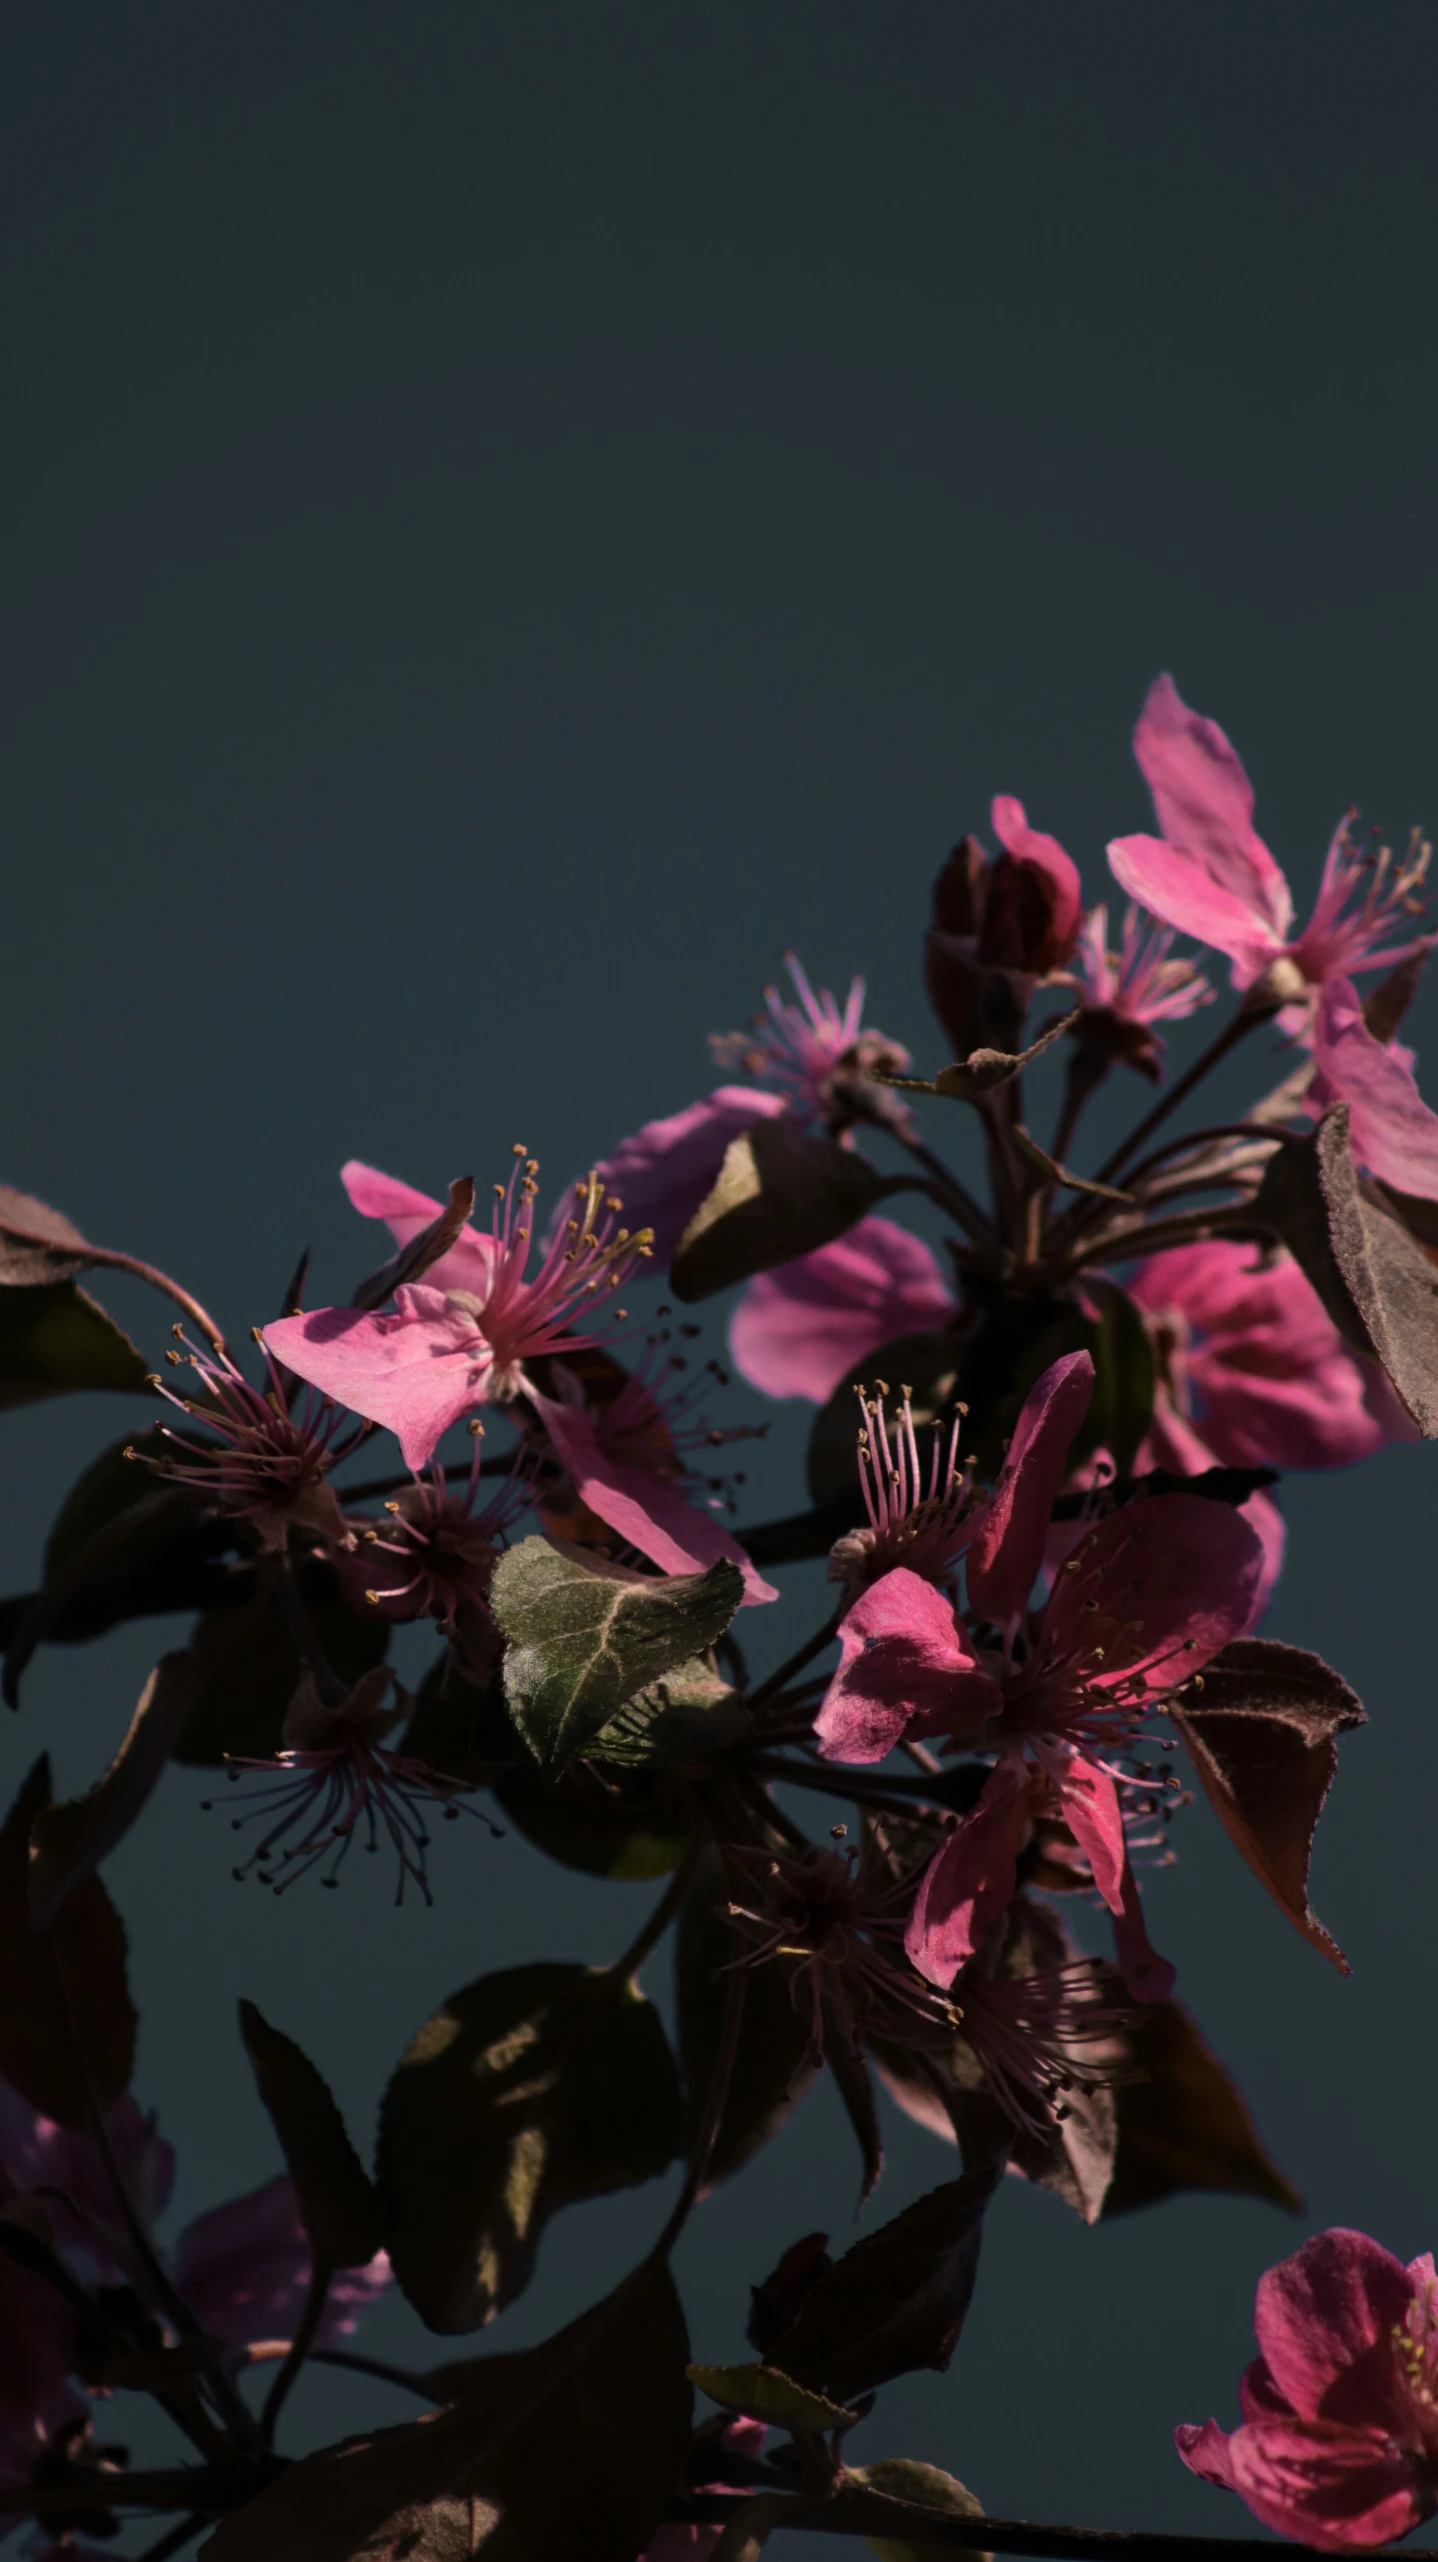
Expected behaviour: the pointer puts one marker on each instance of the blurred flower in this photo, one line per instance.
(799, 1330)
(1338, 2444)
(815, 1054)
(1124, 993)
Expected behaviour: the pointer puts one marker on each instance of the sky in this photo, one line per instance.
(514, 517)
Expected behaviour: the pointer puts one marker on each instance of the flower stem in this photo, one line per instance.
(106, 1258)
(299, 2347)
(662, 1914)
(775, 1681)
(1247, 1019)
(858, 2512)
(716, 2099)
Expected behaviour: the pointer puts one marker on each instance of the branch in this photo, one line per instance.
(860, 2512)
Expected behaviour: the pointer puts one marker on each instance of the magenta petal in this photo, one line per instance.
(969, 1883)
(1149, 1977)
(1007, 1548)
(468, 1264)
(1394, 1132)
(650, 1512)
(1171, 884)
(244, 2269)
(1029, 845)
(1317, 2314)
(1204, 2449)
(1342, 2490)
(1203, 800)
(796, 1331)
(902, 1662)
(1091, 1811)
(665, 1170)
(416, 1370)
(1172, 1442)
(1175, 1576)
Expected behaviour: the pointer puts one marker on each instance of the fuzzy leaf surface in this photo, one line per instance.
(582, 1643)
(1373, 1276)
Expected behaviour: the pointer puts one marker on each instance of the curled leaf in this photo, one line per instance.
(763, 2393)
(37, 1243)
(1185, 2124)
(779, 1194)
(897, 2300)
(984, 1069)
(583, 1643)
(415, 1259)
(68, 1842)
(1374, 1277)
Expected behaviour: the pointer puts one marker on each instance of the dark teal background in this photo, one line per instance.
(513, 515)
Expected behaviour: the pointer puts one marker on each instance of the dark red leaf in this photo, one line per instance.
(1259, 1725)
(897, 2300)
(84, 1953)
(1187, 2125)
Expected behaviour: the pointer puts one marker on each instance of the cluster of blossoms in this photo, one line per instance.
(1042, 1473)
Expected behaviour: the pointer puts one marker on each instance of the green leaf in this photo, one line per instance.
(247, 1667)
(1186, 2124)
(53, 1338)
(527, 2092)
(338, 2207)
(85, 1950)
(1373, 1277)
(572, 2448)
(897, 2300)
(37, 1244)
(68, 1842)
(923, 2486)
(1259, 1725)
(779, 1194)
(774, 2065)
(686, 1718)
(582, 1642)
(762, 2393)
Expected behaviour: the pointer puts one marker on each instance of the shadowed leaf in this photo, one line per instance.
(528, 2091)
(572, 2448)
(248, 1663)
(68, 1842)
(774, 2065)
(53, 1338)
(1187, 2125)
(924, 2486)
(338, 2207)
(582, 1643)
(86, 1948)
(1259, 1726)
(37, 1244)
(897, 2300)
(1374, 1278)
(762, 2393)
(779, 1194)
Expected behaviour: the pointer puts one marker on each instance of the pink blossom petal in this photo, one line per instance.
(969, 1883)
(1007, 1548)
(1173, 1442)
(416, 1369)
(1204, 2449)
(1393, 1131)
(1203, 801)
(1172, 885)
(903, 1664)
(666, 1169)
(1274, 1383)
(1149, 1977)
(1341, 2490)
(651, 1512)
(1318, 2314)
(1089, 1801)
(1029, 845)
(469, 1262)
(797, 1331)
(1175, 1577)
(35, 2153)
(244, 2269)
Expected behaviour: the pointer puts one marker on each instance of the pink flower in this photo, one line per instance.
(439, 1546)
(838, 1916)
(1125, 993)
(1247, 1353)
(1210, 874)
(336, 1782)
(798, 1330)
(1034, 897)
(919, 1517)
(646, 1505)
(443, 1351)
(1392, 1129)
(799, 1049)
(1148, 1595)
(255, 1459)
(1338, 2444)
(244, 2269)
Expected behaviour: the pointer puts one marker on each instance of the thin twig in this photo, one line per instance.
(770, 1687)
(663, 1913)
(174, 2541)
(716, 2099)
(1247, 1019)
(299, 2347)
(105, 1258)
(970, 1214)
(861, 2512)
